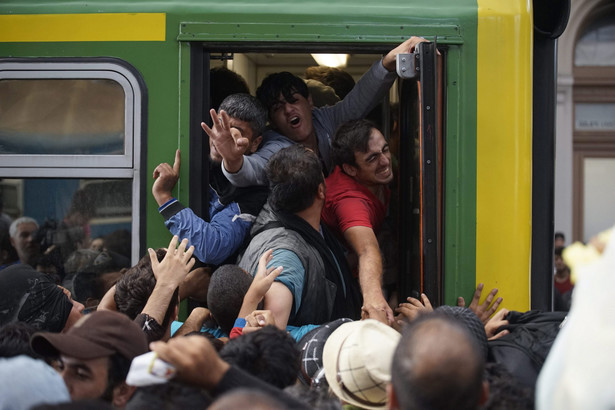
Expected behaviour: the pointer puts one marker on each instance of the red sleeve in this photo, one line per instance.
(235, 332)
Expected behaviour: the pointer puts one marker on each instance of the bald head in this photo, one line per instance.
(437, 365)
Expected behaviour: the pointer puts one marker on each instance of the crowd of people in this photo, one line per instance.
(284, 278)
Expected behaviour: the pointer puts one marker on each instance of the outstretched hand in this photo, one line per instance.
(483, 310)
(165, 179)
(497, 321)
(389, 61)
(257, 320)
(261, 284)
(413, 309)
(175, 265)
(227, 141)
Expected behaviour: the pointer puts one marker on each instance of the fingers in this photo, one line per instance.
(177, 163)
(273, 273)
(265, 258)
(426, 301)
(153, 258)
(461, 302)
(173, 244)
(413, 301)
(498, 335)
(477, 293)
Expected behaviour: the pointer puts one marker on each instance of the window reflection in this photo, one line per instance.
(78, 231)
(61, 117)
(596, 47)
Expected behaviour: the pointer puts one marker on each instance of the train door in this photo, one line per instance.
(410, 117)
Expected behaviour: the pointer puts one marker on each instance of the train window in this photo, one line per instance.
(70, 151)
(54, 113)
(61, 116)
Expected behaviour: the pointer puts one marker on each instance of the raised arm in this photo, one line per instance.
(363, 241)
(165, 179)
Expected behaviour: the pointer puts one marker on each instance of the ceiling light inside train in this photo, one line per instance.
(331, 60)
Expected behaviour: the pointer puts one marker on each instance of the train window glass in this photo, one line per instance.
(61, 116)
(80, 113)
(84, 225)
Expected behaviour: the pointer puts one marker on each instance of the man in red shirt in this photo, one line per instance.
(356, 202)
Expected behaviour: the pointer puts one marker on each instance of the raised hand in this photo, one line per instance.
(483, 310)
(165, 179)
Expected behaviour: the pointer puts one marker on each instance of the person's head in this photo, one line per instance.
(22, 233)
(357, 362)
(362, 152)
(437, 365)
(244, 398)
(248, 116)
(559, 240)
(227, 287)
(32, 297)
(270, 354)
(95, 355)
(15, 340)
(224, 82)
(295, 178)
(336, 78)
(558, 259)
(136, 285)
(288, 102)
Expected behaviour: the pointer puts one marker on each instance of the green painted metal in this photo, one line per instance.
(165, 67)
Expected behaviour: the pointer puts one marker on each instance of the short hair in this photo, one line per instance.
(19, 221)
(336, 78)
(15, 340)
(136, 286)
(283, 83)
(351, 137)
(437, 365)
(227, 287)
(559, 235)
(294, 176)
(270, 354)
(558, 251)
(246, 108)
(224, 82)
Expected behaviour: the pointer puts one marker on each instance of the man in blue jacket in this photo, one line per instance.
(232, 210)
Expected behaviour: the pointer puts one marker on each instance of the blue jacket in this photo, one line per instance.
(231, 214)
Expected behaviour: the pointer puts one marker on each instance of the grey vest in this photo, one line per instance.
(318, 292)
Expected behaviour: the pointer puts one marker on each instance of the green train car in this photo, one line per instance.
(94, 94)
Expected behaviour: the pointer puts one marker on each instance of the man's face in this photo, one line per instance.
(293, 119)
(85, 379)
(374, 166)
(559, 263)
(244, 129)
(24, 243)
(75, 313)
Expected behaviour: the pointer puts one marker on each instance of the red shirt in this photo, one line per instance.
(348, 204)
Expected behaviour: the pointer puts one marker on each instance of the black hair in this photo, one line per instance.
(270, 354)
(559, 235)
(136, 286)
(15, 340)
(116, 375)
(351, 137)
(246, 108)
(224, 82)
(294, 176)
(227, 287)
(558, 251)
(283, 83)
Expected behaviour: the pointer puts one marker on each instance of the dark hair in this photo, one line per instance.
(227, 287)
(283, 83)
(351, 137)
(5, 245)
(270, 354)
(558, 251)
(559, 235)
(437, 365)
(294, 176)
(505, 390)
(116, 374)
(136, 286)
(15, 340)
(336, 78)
(224, 82)
(246, 108)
